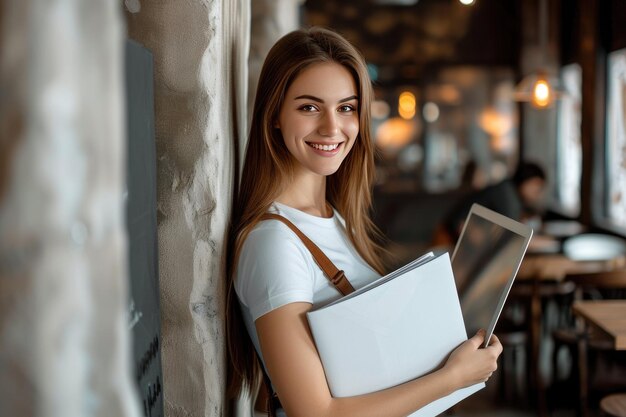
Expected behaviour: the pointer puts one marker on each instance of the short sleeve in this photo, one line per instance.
(273, 270)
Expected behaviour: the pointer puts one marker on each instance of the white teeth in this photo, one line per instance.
(324, 147)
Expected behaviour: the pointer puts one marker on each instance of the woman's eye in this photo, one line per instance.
(346, 109)
(308, 108)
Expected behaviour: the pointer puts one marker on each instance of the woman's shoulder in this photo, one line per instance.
(273, 261)
(305, 220)
(271, 237)
(272, 229)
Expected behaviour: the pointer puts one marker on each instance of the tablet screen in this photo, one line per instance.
(485, 262)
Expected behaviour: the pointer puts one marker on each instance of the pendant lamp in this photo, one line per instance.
(541, 88)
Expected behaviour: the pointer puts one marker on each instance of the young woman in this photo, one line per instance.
(310, 159)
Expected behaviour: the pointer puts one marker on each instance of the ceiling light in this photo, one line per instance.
(539, 88)
(395, 133)
(406, 105)
(541, 93)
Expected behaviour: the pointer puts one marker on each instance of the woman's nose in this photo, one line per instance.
(329, 125)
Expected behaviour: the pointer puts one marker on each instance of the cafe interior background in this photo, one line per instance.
(123, 127)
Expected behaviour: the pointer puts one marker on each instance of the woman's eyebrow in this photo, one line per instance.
(319, 100)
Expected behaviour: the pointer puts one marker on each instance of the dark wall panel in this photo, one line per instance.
(144, 313)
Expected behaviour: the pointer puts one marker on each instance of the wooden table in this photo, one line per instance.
(610, 317)
(562, 228)
(607, 315)
(545, 270)
(555, 267)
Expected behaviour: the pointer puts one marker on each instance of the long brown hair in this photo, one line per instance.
(268, 168)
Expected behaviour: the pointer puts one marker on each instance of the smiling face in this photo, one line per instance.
(319, 118)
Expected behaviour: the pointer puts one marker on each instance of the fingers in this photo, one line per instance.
(478, 339)
(475, 363)
(494, 340)
(495, 344)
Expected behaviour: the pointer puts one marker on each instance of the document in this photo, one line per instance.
(400, 327)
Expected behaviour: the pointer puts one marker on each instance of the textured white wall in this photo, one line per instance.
(64, 340)
(200, 53)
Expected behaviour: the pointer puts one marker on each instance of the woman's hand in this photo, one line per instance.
(470, 364)
(298, 376)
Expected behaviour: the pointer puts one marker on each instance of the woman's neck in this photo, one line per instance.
(307, 193)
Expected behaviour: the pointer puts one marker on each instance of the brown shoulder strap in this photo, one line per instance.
(334, 275)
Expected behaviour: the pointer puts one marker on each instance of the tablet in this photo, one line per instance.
(485, 261)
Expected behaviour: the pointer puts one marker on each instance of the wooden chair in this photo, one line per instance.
(524, 331)
(581, 340)
(599, 285)
(514, 339)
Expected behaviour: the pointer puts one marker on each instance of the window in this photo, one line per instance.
(569, 148)
(616, 138)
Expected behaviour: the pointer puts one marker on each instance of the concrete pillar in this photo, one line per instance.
(271, 19)
(64, 339)
(200, 52)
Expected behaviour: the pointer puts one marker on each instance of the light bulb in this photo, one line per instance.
(467, 2)
(542, 93)
(406, 105)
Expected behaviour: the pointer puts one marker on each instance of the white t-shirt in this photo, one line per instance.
(275, 268)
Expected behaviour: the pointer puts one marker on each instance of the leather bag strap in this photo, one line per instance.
(334, 275)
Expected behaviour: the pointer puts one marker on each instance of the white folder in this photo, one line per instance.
(399, 328)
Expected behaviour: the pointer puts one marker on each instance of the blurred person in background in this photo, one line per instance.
(519, 197)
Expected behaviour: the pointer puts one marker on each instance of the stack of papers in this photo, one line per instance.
(398, 328)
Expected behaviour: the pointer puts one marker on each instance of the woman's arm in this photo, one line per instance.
(296, 372)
